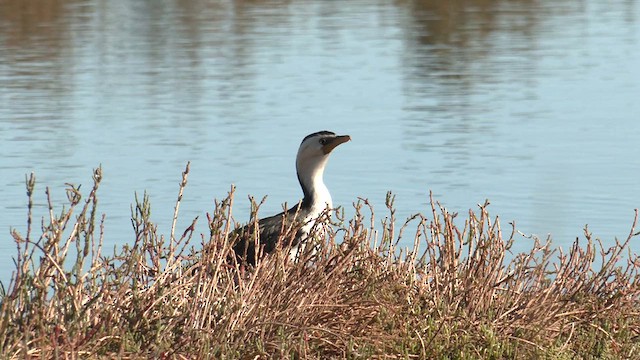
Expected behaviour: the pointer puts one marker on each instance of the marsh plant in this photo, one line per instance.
(458, 292)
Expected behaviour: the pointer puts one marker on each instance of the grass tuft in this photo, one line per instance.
(457, 293)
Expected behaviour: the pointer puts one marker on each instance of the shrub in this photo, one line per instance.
(457, 293)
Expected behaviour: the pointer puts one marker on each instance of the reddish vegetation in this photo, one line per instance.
(458, 293)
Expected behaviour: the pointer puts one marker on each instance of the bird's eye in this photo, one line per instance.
(323, 141)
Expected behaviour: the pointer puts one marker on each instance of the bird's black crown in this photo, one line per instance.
(324, 132)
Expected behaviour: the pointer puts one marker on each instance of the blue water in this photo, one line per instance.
(531, 105)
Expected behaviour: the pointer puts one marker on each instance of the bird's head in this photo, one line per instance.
(314, 152)
(319, 145)
(310, 163)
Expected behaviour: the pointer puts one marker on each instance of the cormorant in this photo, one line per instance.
(311, 160)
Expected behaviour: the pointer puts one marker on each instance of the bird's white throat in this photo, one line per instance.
(310, 174)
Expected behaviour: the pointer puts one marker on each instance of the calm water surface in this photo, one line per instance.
(533, 105)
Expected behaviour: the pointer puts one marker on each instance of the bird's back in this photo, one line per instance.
(285, 226)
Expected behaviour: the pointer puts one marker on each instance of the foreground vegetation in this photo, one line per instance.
(459, 293)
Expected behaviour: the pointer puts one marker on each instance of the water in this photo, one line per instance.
(533, 105)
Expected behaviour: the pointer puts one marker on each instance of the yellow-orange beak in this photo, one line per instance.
(331, 144)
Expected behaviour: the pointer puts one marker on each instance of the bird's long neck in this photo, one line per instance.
(310, 174)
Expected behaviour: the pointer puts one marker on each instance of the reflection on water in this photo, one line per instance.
(530, 104)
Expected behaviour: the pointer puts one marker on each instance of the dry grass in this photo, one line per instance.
(458, 293)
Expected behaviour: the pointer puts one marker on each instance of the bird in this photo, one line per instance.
(311, 160)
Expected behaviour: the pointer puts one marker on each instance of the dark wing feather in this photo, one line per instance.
(271, 229)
